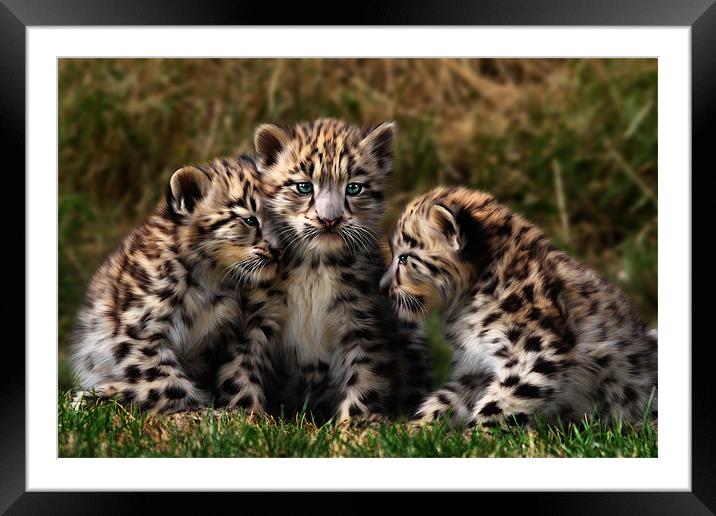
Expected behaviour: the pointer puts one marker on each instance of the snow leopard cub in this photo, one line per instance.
(165, 301)
(337, 348)
(532, 330)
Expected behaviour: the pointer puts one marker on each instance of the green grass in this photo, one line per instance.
(110, 430)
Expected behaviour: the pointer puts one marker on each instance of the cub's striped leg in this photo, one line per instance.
(366, 376)
(150, 376)
(457, 397)
(518, 392)
(246, 368)
(497, 409)
(439, 403)
(316, 391)
(413, 380)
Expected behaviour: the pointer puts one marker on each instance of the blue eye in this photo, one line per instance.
(354, 189)
(304, 188)
(251, 221)
(403, 259)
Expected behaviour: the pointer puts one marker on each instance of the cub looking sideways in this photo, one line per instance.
(163, 306)
(532, 330)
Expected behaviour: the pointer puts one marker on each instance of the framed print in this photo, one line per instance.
(423, 251)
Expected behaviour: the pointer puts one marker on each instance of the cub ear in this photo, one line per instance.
(378, 142)
(269, 141)
(447, 226)
(464, 233)
(188, 185)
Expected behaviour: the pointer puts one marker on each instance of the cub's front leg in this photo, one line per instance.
(528, 384)
(150, 375)
(457, 398)
(245, 368)
(365, 375)
(413, 379)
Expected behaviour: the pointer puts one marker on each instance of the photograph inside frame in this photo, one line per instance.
(357, 258)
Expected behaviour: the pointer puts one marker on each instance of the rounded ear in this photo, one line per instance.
(378, 142)
(188, 185)
(447, 226)
(269, 141)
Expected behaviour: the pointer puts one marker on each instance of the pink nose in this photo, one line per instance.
(329, 223)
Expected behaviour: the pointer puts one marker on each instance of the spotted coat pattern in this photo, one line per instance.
(533, 331)
(162, 312)
(335, 344)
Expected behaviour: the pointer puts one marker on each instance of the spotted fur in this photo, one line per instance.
(533, 331)
(163, 309)
(336, 346)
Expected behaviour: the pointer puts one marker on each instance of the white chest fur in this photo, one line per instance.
(312, 323)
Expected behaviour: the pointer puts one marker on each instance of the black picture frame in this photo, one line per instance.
(17, 15)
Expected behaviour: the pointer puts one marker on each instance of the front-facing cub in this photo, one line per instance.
(337, 348)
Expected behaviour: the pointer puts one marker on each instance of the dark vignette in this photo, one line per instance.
(703, 112)
(368, 12)
(12, 146)
(21, 13)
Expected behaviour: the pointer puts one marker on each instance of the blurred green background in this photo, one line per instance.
(571, 144)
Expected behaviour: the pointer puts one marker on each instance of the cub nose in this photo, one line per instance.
(329, 223)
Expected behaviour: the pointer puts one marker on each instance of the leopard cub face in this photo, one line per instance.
(430, 257)
(324, 182)
(221, 217)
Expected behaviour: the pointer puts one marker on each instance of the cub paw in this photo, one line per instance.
(349, 411)
(430, 409)
(248, 403)
(81, 399)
